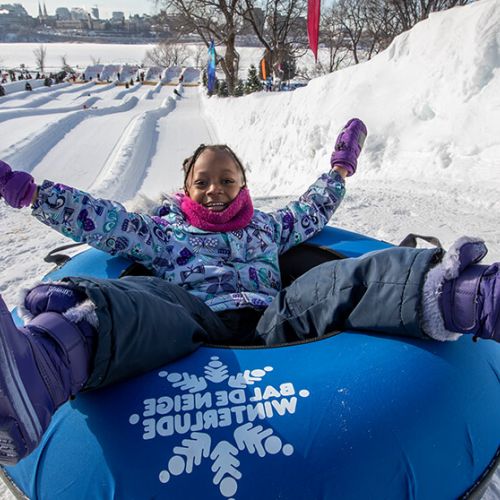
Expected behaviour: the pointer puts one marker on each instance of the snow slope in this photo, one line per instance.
(430, 164)
(431, 102)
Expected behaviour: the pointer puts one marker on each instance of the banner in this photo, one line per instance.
(313, 15)
(211, 67)
(263, 68)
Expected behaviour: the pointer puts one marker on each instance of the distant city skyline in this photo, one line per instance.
(106, 7)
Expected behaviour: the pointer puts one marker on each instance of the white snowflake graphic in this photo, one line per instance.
(247, 437)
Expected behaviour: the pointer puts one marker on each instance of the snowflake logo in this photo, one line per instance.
(197, 408)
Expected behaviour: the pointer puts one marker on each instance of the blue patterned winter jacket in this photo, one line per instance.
(226, 270)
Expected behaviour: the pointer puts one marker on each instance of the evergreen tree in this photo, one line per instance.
(240, 88)
(253, 82)
(222, 90)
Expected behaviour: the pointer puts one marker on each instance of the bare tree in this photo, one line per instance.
(410, 12)
(365, 27)
(95, 60)
(280, 25)
(40, 54)
(332, 38)
(198, 55)
(167, 54)
(65, 65)
(210, 19)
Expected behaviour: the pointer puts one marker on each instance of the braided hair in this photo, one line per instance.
(188, 163)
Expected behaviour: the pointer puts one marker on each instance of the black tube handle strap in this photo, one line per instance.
(411, 240)
(53, 257)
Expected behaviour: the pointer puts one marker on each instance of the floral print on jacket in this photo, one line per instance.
(225, 270)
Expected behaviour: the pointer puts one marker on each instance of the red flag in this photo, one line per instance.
(313, 13)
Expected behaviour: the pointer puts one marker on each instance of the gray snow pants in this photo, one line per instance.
(145, 322)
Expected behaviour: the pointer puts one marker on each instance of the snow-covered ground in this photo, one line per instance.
(430, 164)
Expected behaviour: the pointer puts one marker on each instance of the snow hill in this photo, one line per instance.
(431, 102)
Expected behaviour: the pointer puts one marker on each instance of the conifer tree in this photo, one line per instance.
(222, 90)
(240, 88)
(253, 83)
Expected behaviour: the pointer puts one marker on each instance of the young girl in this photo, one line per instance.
(216, 280)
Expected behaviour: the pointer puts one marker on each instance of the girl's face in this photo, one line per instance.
(215, 180)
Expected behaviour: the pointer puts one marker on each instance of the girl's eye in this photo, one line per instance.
(200, 183)
(228, 181)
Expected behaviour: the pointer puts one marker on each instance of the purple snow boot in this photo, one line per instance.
(349, 145)
(468, 296)
(41, 366)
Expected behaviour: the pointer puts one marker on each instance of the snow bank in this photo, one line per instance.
(430, 101)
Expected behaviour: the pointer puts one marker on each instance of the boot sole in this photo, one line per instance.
(20, 428)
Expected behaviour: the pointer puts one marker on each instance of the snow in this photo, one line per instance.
(431, 102)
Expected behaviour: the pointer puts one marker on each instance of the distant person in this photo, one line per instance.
(47, 82)
(83, 77)
(181, 78)
(131, 82)
(215, 278)
(127, 86)
(98, 76)
(118, 76)
(2, 91)
(37, 77)
(28, 87)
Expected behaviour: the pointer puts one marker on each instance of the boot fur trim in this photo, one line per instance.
(83, 311)
(448, 268)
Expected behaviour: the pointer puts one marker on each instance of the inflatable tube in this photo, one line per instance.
(350, 416)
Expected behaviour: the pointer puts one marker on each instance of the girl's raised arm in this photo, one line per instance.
(302, 219)
(103, 224)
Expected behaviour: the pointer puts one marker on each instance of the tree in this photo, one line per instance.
(166, 54)
(410, 12)
(222, 90)
(65, 66)
(280, 27)
(198, 55)
(240, 89)
(253, 83)
(331, 37)
(210, 19)
(365, 27)
(40, 54)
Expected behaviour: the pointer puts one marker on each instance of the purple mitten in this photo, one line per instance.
(348, 145)
(16, 187)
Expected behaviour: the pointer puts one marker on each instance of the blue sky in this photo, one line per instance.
(105, 6)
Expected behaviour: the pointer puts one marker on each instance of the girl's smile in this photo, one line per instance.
(215, 180)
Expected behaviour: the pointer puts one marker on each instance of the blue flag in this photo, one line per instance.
(211, 67)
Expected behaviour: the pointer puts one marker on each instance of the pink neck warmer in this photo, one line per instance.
(236, 216)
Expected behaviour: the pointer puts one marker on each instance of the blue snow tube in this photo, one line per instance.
(350, 416)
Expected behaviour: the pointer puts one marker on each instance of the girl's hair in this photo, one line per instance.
(188, 164)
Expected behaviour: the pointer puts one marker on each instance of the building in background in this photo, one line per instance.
(63, 14)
